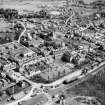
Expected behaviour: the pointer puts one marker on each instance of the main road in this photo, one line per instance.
(38, 85)
(81, 78)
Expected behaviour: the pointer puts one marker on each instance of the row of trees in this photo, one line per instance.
(12, 13)
(39, 14)
(9, 13)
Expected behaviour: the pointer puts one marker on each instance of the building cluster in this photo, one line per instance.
(11, 54)
(53, 46)
(76, 40)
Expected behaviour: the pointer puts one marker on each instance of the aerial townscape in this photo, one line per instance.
(52, 52)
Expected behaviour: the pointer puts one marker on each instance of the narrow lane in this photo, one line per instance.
(22, 31)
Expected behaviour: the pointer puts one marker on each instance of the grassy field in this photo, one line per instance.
(32, 4)
(29, 4)
(4, 25)
(93, 87)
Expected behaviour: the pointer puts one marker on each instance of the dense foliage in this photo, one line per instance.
(9, 13)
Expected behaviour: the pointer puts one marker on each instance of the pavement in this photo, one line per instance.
(41, 98)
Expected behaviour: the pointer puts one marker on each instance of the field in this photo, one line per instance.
(32, 4)
(93, 87)
(4, 26)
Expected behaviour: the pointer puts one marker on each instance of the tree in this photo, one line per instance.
(2, 11)
(9, 13)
